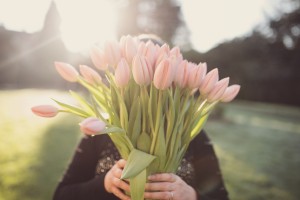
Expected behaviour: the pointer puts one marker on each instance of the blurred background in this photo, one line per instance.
(256, 43)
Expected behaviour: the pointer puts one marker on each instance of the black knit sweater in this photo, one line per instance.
(84, 178)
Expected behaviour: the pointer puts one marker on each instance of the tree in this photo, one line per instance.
(160, 17)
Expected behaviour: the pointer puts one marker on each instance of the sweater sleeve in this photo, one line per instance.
(209, 182)
(79, 181)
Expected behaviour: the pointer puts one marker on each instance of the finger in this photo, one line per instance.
(158, 195)
(118, 193)
(121, 184)
(168, 177)
(117, 172)
(159, 186)
(121, 163)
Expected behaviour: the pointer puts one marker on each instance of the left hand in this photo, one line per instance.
(168, 186)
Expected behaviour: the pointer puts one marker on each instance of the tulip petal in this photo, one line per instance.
(230, 93)
(92, 126)
(45, 110)
(67, 71)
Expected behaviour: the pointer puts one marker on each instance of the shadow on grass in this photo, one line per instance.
(259, 163)
(52, 157)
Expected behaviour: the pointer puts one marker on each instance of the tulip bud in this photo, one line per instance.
(175, 51)
(92, 126)
(196, 75)
(141, 70)
(122, 73)
(209, 81)
(129, 47)
(218, 90)
(112, 52)
(164, 75)
(90, 75)
(67, 71)
(45, 110)
(150, 53)
(181, 76)
(230, 93)
(98, 58)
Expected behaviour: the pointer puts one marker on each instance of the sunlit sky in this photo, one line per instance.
(85, 22)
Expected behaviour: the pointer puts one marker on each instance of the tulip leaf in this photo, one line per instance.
(144, 142)
(137, 185)
(137, 126)
(199, 125)
(72, 109)
(132, 115)
(113, 130)
(136, 163)
(83, 103)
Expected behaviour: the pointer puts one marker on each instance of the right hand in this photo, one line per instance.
(113, 183)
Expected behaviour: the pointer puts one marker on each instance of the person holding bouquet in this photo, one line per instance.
(144, 136)
(96, 168)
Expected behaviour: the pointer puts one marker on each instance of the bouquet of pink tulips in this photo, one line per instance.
(149, 107)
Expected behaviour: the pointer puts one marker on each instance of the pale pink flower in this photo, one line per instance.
(45, 110)
(175, 51)
(196, 75)
(163, 53)
(151, 53)
(90, 75)
(122, 73)
(98, 58)
(67, 71)
(164, 75)
(129, 47)
(112, 53)
(182, 74)
(218, 90)
(209, 81)
(141, 70)
(92, 126)
(230, 93)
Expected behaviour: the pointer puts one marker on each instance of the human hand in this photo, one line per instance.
(113, 183)
(168, 186)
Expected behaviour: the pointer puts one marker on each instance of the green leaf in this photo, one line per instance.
(84, 103)
(144, 142)
(113, 130)
(72, 109)
(136, 163)
(137, 185)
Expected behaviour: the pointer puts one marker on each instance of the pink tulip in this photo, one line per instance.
(141, 70)
(122, 73)
(230, 93)
(98, 58)
(164, 75)
(112, 52)
(181, 76)
(92, 126)
(151, 53)
(129, 47)
(196, 75)
(45, 110)
(67, 71)
(162, 54)
(90, 75)
(209, 81)
(218, 90)
(175, 51)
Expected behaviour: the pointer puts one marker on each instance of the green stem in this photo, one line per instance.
(157, 120)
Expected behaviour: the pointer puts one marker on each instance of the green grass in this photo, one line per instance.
(257, 145)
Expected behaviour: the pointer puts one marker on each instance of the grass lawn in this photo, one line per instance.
(257, 145)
